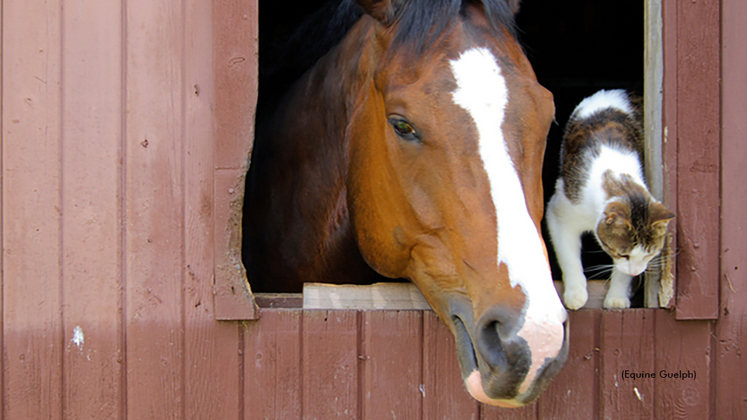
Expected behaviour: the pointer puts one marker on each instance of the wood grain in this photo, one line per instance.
(669, 122)
(394, 296)
(400, 296)
(33, 339)
(211, 348)
(653, 124)
(92, 278)
(272, 366)
(330, 365)
(2, 242)
(154, 208)
(121, 168)
(627, 346)
(683, 347)
(392, 356)
(445, 396)
(574, 391)
(730, 399)
(698, 159)
(235, 54)
(528, 412)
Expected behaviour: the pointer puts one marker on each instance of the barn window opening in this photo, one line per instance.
(291, 40)
(576, 48)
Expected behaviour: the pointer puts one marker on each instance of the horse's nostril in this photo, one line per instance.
(498, 343)
(500, 322)
(490, 344)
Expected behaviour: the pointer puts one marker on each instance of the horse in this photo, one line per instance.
(413, 150)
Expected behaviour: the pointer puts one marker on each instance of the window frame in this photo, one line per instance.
(681, 123)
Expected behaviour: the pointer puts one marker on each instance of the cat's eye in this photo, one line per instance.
(404, 129)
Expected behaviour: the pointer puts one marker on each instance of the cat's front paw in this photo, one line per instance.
(616, 302)
(575, 298)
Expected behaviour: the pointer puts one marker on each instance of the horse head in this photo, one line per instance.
(446, 139)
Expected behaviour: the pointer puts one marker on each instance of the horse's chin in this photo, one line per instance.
(473, 382)
(473, 379)
(470, 370)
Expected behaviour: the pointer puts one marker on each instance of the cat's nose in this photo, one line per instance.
(636, 269)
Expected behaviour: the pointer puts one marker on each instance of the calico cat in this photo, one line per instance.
(601, 189)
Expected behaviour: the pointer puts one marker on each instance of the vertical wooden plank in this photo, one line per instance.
(211, 348)
(91, 209)
(154, 215)
(627, 347)
(698, 160)
(573, 393)
(392, 364)
(652, 125)
(272, 366)
(528, 412)
(33, 338)
(236, 48)
(669, 139)
(2, 242)
(683, 349)
(445, 396)
(236, 62)
(652, 91)
(731, 366)
(330, 365)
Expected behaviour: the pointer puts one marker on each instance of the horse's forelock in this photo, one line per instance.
(420, 23)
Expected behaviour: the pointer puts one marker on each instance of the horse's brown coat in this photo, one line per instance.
(339, 196)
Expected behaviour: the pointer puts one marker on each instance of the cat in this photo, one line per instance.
(601, 189)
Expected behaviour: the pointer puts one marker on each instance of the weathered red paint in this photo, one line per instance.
(75, 250)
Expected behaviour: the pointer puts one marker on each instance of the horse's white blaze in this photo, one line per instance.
(602, 100)
(482, 92)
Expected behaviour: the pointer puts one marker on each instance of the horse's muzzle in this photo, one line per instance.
(496, 361)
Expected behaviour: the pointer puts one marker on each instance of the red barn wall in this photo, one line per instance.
(125, 131)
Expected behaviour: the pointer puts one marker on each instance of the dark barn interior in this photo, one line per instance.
(575, 46)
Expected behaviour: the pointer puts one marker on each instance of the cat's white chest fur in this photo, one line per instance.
(606, 195)
(583, 215)
(567, 221)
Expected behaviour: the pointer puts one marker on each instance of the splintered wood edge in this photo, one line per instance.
(398, 296)
(666, 284)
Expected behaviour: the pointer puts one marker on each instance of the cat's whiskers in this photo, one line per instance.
(603, 270)
(595, 251)
(660, 261)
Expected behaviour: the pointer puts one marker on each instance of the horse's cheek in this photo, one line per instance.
(378, 248)
(381, 256)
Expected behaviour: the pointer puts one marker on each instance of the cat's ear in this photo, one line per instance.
(616, 217)
(660, 217)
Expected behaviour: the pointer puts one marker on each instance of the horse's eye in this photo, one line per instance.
(404, 129)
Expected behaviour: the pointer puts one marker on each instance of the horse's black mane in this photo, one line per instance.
(419, 23)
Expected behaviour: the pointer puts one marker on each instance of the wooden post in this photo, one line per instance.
(652, 123)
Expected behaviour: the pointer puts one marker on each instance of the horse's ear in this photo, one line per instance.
(381, 10)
